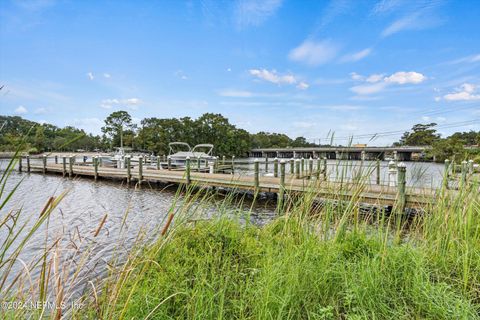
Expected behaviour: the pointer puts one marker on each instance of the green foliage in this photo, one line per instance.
(451, 148)
(420, 135)
(115, 125)
(43, 137)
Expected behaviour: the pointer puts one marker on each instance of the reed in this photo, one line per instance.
(320, 260)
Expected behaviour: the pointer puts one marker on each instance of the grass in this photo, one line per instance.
(316, 261)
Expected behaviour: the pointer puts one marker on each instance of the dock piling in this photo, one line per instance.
(392, 174)
(187, 170)
(20, 163)
(140, 170)
(158, 162)
(198, 164)
(28, 163)
(402, 183)
(292, 166)
(310, 168)
(56, 159)
(44, 159)
(319, 164)
(95, 164)
(64, 169)
(256, 175)
(303, 165)
(266, 163)
(233, 164)
(325, 168)
(377, 167)
(129, 168)
(275, 167)
(169, 163)
(70, 167)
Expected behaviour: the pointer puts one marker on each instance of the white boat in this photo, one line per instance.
(179, 151)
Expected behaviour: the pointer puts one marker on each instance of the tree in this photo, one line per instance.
(115, 124)
(450, 148)
(420, 135)
(40, 138)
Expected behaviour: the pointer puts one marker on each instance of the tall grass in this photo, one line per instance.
(318, 260)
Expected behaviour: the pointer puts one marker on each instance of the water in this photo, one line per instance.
(74, 222)
(130, 213)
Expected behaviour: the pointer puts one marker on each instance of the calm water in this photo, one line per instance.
(74, 222)
(130, 213)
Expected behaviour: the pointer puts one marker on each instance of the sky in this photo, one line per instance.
(345, 68)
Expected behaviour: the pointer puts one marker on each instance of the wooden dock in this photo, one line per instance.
(283, 184)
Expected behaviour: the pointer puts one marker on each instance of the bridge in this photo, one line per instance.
(405, 153)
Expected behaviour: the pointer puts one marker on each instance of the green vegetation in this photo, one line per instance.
(152, 135)
(326, 261)
(452, 147)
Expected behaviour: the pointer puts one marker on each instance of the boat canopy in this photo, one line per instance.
(208, 147)
(180, 145)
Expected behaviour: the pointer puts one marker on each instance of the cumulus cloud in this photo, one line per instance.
(356, 56)
(406, 77)
(107, 75)
(314, 53)
(90, 76)
(378, 82)
(21, 110)
(131, 103)
(274, 77)
(254, 13)
(466, 92)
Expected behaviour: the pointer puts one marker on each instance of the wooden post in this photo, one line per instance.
(233, 164)
(402, 186)
(20, 163)
(281, 193)
(95, 167)
(223, 160)
(378, 171)
(470, 167)
(297, 169)
(44, 159)
(319, 164)
(56, 159)
(28, 163)
(158, 162)
(256, 172)
(310, 168)
(275, 167)
(140, 170)
(325, 168)
(446, 174)
(292, 166)
(303, 165)
(129, 168)
(169, 163)
(64, 171)
(187, 170)
(85, 159)
(70, 166)
(198, 164)
(266, 164)
(464, 173)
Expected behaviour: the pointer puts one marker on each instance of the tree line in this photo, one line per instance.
(153, 135)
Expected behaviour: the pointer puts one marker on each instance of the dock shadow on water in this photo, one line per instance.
(104, 250)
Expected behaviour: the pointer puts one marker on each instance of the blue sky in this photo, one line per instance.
(298, 67)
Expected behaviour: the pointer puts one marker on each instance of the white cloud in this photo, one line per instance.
(406, 77)
(378, 82)
(274, 77)
(303, 85)
(131, 103)
(107, 75)
(254, 13)
(467, 92)
(468, 59)
(314, 53)
(356, 56)
(181, 75)
(21, 110)
(369, 88)
(356, 76)
(90, 76)
(374, 78)
(235, 93)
